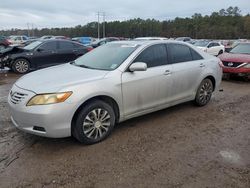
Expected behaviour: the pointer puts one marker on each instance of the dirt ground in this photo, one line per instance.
(183, 146)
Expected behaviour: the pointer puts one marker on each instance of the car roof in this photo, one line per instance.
(148, 42)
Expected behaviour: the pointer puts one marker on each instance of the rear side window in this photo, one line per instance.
(179, 53)
(153, 56)
(77, 45)
(63, 45)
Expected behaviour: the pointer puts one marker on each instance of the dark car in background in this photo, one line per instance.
(103, 41)
(41, 54)
(4, 43)
(237, 61)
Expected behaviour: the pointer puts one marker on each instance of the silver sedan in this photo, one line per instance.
(111, 84)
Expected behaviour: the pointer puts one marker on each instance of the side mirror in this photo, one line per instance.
(138, 66)
(40, 50)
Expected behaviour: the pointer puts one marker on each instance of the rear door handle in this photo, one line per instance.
(167, 72)
(202, 65)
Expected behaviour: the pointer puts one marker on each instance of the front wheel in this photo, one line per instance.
(220, 52)
(204, 92)
(94, 122)
(21, 66)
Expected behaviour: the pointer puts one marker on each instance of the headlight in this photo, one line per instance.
(51, 98)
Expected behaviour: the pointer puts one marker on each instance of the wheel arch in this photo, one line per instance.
(109, 100)
(210, 77)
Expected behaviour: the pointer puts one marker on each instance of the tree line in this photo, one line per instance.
(225, 24)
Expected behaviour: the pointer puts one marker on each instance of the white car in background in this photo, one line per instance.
(149, 38)
(17, 40)
(211, 47)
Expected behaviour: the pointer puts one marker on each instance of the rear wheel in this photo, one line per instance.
(94, 122)
(21, 66)
(204, 92)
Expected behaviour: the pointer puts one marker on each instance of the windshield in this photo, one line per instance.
(107, 57)
(201, 43)
(241, 49)
(32, 45)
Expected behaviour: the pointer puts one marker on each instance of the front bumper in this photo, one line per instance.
(44, 120)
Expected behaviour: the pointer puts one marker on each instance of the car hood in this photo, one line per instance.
(11, 50)
(235, 57)
(57, 78)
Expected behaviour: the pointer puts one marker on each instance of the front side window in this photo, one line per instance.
(179, 53)
(153, 56)
(48, 46)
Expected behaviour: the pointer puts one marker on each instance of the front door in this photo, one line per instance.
(148, 89)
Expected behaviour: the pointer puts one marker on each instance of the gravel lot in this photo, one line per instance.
(183, 146)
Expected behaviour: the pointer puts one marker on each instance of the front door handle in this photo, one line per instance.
(167, 72)
(202, 65)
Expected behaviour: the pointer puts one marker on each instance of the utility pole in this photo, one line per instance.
(104, 25)
(98, 14)
(28, 29)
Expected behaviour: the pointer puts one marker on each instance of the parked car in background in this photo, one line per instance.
(111, 84)
(46, 37)
(211, 47)
(149, 38)
(183, 39)
(84, 40)
(103, 41)
(60, 37)
(237, 61)
(4, 43)
(17, 40)
(41, 54)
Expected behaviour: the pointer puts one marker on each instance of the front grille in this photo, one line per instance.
(232, 64)
(17, 97)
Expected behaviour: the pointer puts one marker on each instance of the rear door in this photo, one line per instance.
(66, 52)
(148, 89)
(186, 72)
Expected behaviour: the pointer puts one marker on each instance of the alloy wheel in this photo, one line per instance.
(205, 92)
(96, 124)
(22, 66)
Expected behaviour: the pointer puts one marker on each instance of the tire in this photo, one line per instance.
(21, 66)
(204, 92)
(220, 52)
(94, 122)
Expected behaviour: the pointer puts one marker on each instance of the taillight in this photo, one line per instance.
(89, 49)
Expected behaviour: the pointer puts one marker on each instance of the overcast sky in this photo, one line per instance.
(66, 13)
